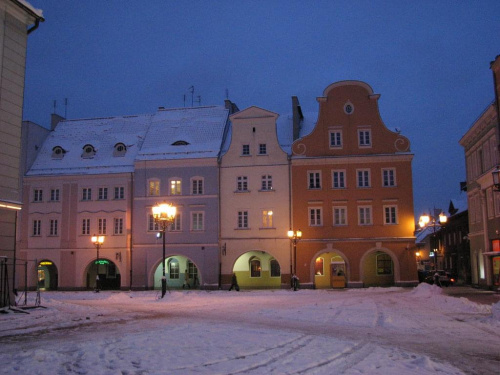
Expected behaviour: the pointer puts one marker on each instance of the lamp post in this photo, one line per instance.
(164, 215)
(433, 221)
(97, 241)
(295, 237)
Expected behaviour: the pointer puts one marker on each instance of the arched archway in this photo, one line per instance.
(327, 266)
(109, 275)
(176, 268)
(379, 267)
(257, 270)
(47, 276)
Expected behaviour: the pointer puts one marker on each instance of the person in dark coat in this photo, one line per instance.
(234, 283)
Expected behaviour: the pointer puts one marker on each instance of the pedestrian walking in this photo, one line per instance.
(436, 279)
(234, 283)
(186, 280)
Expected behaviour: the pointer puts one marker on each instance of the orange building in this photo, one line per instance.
(352, 195)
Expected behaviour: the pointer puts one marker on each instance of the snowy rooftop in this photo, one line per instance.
(103, 134)
(185, 133)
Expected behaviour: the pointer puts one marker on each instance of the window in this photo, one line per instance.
(388, 177)
(176, 225)
(267, 182)
(119, 192)
(364, 215)
(242, 219)
(86, 194)
(339, 216)
(58, 152)
(173, 268)
(101, 226)
(86, 227)
(37, 227)
(242, 183)
(262, 149)
(384, 264)
(197, 186)
(175, 187)
(364, 137)
(314, 180)
(315, 217)
(102, 194)
(118, 226)
(120, 150)
(193, 271)
(390, 215)
(154, 187)
(245, 150)
(53, 227)
(336, 139)
(88, 151)
(363, 178)
(338, 179)
(319, 269)
(197, 221)
(255, 267)
(275, 268)
(152, 226)
(38, 195)
(267, 219)
(54, 195)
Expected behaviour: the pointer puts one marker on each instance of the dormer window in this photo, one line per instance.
(58, 152)
(88, 151)
(120, 149)
(180, 143)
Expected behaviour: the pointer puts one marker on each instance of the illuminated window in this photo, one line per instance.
(319, 267)
(175, 187)
(154, 187)
(255, 267)
(384, 264)
(267, 219)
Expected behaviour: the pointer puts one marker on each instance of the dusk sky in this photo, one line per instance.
(429, 60)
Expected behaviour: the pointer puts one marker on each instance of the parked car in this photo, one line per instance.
(444, 278)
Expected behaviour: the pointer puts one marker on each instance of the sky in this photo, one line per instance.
(429, 60)
(386, 331)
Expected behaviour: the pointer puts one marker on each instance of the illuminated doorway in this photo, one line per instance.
(47, 275)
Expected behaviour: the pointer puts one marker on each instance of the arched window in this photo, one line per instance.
(173, 268)
(275, 268)
(88, 151)
(58, 152)
(255, 267)
(384, 264)
(318, 267)
(120, 149)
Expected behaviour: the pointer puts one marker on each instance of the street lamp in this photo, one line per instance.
(164, 215)
(433, 221)
(496, 178)
(295, 237)
(97, 241)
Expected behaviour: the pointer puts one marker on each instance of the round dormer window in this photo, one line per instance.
(88, 150)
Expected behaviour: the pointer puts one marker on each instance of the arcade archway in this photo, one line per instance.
(257, 270)
(329, 270)
(109, 275)
(47, 275)
(176, 267)
(378, 269)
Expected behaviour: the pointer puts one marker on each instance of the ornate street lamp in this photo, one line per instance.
(295, 237)
(97, 241)
(433, 221)
(164, 215)
(496, 178)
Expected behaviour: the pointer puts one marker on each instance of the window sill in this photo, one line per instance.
(267, 190)
(241, 191)
(241, 228)
(267, 228)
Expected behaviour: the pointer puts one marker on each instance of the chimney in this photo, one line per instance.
(297, 117)
(232, 107)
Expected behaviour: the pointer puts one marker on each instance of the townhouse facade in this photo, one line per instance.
(482, 158)
(352, 194)
(18, 19)
(240, 180)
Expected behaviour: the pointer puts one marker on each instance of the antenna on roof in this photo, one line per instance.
(191, 90)
(65, 107)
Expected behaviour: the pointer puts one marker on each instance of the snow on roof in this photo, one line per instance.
(285, 128)
(198, 132)
(101, 133)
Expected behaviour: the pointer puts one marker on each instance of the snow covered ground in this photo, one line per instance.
(356, 331)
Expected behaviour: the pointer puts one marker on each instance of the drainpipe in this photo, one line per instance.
(131, 228)
(35, 26)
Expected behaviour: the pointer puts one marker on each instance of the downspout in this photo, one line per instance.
(131, 229)
(35, 26)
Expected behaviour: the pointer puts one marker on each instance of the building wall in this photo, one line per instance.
(253, 127)
(199, 246)
(346, 109)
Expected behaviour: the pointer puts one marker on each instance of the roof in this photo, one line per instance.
(198, 132)
(285, 128)
(101, 133)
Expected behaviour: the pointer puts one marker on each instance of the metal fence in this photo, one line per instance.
(4, 283)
